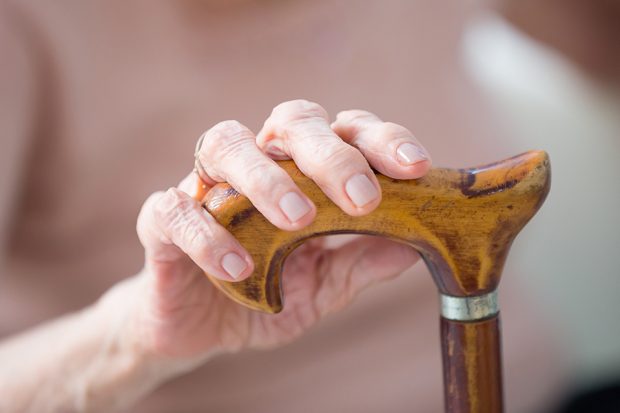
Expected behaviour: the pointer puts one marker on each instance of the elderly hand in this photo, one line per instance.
(180, 314)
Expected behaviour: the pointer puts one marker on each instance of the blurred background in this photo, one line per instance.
(561, 94)
(101, 104)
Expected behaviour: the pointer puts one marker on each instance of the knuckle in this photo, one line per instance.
(145, 216)
(335, 155)
(298, 109)
(230, 127)
(224, 137)
(151, 202)
(260, 175)
(195, 234)
(170, 206)
(181, 221)
(310, 129)
(354, 115)
(350, 123)
(393, 130)
(149, 205)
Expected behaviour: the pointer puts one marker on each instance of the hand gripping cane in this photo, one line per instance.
(462, 221)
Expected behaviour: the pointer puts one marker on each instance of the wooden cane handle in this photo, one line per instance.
(462, 221)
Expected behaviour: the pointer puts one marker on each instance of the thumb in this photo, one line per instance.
(163, 258)
(351, 268)
(174, 229)
(158, 247)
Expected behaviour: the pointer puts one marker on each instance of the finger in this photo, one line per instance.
(229, 154)
(172, 224)
(150, 234)
(390, 148)
(300, 130)
(353, 267)
(193, 186)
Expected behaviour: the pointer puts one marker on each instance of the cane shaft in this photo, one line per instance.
(472, 369)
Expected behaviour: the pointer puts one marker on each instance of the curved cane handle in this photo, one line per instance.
(462, 221)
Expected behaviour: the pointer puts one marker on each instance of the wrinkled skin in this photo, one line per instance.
(181, 314)
(185, 314)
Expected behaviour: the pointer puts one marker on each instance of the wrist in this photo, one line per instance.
(123, 346)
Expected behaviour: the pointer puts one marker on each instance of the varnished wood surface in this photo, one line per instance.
(471, 353)
(462, 221)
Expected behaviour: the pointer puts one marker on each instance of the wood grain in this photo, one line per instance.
(462, 221)
(471, 353)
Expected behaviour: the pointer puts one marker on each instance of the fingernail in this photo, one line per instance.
(233, 264)
(294, 206)
(408, 154)
(361, 190)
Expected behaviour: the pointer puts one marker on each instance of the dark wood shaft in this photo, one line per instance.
(472, 366)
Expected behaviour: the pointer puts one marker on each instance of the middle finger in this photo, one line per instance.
(300, 130)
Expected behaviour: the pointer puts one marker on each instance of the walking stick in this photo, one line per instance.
(462, 221)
